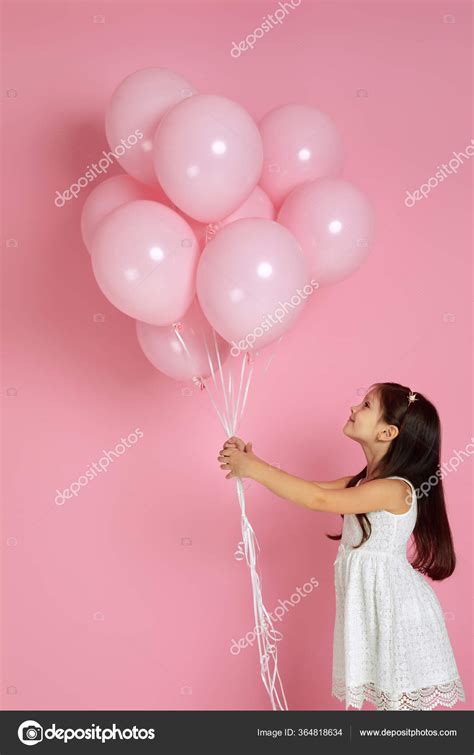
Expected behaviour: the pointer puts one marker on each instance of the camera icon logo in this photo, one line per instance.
(30, 732)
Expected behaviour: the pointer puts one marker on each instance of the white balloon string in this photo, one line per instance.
(230, 394)
(210, 363)
(245, 396)
(263, 623)
(222, 418)
(267, 635)
(180, 338)
(222, 378)
(239, 555)
(242, 371)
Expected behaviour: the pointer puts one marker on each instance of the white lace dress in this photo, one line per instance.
(391, 645)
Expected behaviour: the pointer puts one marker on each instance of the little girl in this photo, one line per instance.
(391, 646)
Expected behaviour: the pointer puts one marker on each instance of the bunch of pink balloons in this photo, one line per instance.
(218, 222)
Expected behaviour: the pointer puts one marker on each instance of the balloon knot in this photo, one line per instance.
(198, 382)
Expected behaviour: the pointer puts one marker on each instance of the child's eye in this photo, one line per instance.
(366, 403)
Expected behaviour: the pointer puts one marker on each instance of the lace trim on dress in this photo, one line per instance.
(426, 698)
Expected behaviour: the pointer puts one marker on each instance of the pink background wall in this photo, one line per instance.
(128, 596)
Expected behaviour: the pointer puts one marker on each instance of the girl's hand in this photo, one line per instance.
(235, 442)
(237, 457)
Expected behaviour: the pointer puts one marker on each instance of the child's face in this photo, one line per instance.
(364, 424)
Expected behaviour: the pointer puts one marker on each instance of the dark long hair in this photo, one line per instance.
(415, 455)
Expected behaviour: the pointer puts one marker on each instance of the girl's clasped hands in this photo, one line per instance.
(236, 457)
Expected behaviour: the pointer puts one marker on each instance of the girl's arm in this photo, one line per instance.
(372, 496)
(339, 484)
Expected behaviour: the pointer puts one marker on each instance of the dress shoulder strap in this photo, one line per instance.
(412, 487)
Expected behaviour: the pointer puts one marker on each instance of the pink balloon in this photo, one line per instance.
(138, 104)
(164, 349)
(300, 143)
(110, 194)
(334, 223)
(144, 257)
(208, 156)
(257, 205)
(252, 282)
